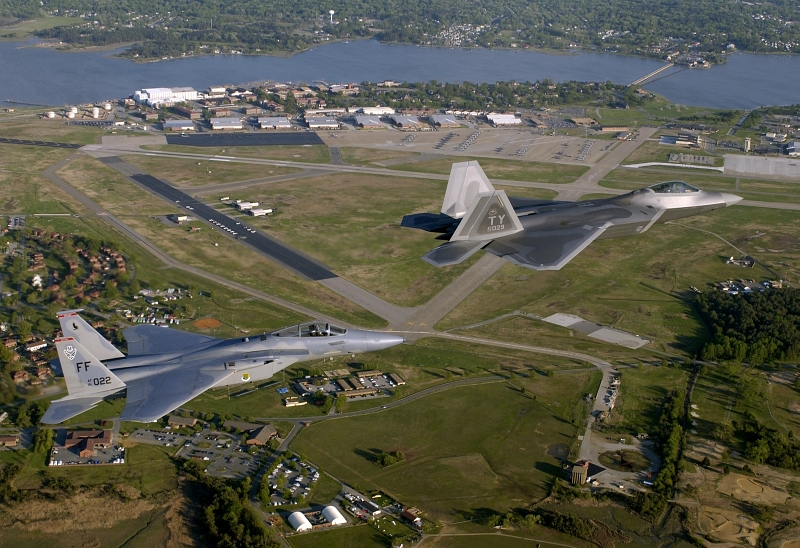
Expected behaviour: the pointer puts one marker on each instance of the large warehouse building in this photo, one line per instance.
(226, 123)
(333, 516)
(158, 97)
(369, 122)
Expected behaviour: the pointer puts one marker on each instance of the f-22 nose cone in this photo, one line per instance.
(380, 341)
(730, 199)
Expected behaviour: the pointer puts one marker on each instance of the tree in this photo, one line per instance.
(706, 462)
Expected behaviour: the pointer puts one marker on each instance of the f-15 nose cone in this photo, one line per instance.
(731, 199)
(380, 341)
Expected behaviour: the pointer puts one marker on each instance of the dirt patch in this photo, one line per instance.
(558, 450)
(624, 461)
(207, 323)
(728, 525)
(750, 489)
(53, 517)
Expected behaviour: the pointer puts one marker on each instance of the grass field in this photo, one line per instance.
(147, 468)
(25, 29)
(356, 230)
(30, 127)
(499, 461)
(228, 258)
(641, 284)
(652, 151)
(535, 172)
(193, 173)
(641, 398)
(364, 536)
(374, 157)
(315, 154)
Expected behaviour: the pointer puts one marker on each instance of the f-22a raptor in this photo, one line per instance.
(165, 368)
(544, 234)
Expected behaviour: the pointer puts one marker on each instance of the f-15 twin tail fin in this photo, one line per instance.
(88, 381)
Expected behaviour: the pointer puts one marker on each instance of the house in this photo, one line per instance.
(9, 440)
(35, 345)
(262, 435)
(410, 515)
(369, 507)
(42, 373)
(181, 422)
(87, 441)
(20, 376)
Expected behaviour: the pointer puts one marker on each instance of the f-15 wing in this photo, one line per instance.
(152, 397)
(151, 339)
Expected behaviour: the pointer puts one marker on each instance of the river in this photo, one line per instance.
(44, 76)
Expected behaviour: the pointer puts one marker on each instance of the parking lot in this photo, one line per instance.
(295, 478)
(61, 456)
(381, 384)
(221, 452)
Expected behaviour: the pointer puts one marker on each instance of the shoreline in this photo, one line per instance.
(67, 48)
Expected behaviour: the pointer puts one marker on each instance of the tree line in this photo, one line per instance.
(652, 28)
(758, 328)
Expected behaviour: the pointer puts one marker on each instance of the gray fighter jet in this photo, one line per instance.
(165, 368)
(544, 234)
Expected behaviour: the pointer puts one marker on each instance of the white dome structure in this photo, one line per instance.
(333, 516)
(300, 522)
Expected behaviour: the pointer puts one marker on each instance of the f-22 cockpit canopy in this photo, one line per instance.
(673, 187)
(311, 329)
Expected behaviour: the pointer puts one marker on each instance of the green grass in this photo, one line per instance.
(356, 230)
(641, 398)
(624, 461)
(527, 192)
(325, 491)
(641, 284)
(25, 29)
(193, 173)
(148, 468)
(229, 259)
(362, 536)
(497, 461)
(51, 130)
(535, 172)
(374, 157)
(315, 154)
(391, 526)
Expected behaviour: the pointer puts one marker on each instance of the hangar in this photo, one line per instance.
(274, 123)
(405, 121)
(299, 522)
(322, 122)
(226, 123)
(178, 125)
(369, 122)
(443, 120)
(503, 119)
(333, 516)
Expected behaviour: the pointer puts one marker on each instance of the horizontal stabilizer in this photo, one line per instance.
(490, 216)
(429, 222)
(151, 339)
(65, 409)
(452, 253)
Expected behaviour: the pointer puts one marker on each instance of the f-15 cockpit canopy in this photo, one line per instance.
(673, 187)
(311, 329)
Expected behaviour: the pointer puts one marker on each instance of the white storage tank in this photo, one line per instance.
(51, 114)
(107, 106)
(95, 112)
(70, 114)
(73, 110)
(299, 522)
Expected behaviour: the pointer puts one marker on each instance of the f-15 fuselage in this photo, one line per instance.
(258, 357)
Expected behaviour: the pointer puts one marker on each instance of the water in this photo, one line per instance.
(41, 75)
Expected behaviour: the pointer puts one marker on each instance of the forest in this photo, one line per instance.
(758, 328)
(653, 28)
